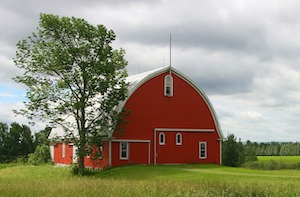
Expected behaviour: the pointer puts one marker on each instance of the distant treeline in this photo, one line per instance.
(17, 141)
(273, 148)
(236, 153)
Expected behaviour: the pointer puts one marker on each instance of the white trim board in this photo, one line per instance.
(185, 130)
(130, 140)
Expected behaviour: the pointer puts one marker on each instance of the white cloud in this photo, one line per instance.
(251, 115)
(7, 116)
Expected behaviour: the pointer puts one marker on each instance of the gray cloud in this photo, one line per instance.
(244, 54)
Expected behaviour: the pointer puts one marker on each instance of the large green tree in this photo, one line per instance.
(233, 153)
(15, 141)
(74, 78)
(3, 141)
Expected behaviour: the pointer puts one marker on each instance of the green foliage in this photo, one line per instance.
(16, 142)
(275, 148)
(74, 169)
(250, 154)
(41, 155)
(41, 137)
(21, 160)
(74, 78)
(3, 141)
(233, 153)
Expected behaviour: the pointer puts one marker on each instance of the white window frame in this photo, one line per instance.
(168, 83)
(178, 142)
(126, 150)
(101, 149)
(63, 149)
(88, 151)
(200, 150)
(163, 137)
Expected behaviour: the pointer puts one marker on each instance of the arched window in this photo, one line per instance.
(88, 151)
(161, 139)
(178, 139)
(168, 86)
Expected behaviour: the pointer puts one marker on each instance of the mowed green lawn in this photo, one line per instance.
(160, 180)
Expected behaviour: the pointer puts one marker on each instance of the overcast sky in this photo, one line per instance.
(243, 54)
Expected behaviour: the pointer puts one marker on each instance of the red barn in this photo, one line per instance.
(171, 121)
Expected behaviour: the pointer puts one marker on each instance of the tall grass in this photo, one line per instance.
(177, 180)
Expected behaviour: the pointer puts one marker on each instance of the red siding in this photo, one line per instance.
(150, 109)
(58, 157)
(138, 153)
(98, 163)
(88, 162)
(188, 152)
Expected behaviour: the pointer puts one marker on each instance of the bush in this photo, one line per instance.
(21, 160)
(40, 155)
(74, 169)
(297, 165)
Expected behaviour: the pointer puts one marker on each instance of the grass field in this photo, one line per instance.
(285, 159)
(161, 180)
(274, 163)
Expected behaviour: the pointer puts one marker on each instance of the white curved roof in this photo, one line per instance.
(57, 132)
(135, 81)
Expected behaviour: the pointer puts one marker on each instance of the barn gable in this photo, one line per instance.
(138, 80)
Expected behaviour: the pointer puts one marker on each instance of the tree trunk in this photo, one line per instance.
(81, 152)
(81, 165)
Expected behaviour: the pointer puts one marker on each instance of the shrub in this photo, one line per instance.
(21, 160)
(40, 155)
(297, 165)
(74, 169)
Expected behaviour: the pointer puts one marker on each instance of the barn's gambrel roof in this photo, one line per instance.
(135, 81)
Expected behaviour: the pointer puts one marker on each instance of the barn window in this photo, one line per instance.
(88, 151)
(124, 150)
(63, 149)
(178, 139)
(101, 151)
(202, 150)
(168, 86)
(161, 139)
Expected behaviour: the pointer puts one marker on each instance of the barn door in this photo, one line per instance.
(169, 149)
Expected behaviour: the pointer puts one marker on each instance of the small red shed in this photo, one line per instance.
(171, 121)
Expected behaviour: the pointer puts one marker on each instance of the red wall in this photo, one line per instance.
(138, 153)
(58, 159)
(188, 152)
(98, 163)
(88, 161)
(186, 109)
